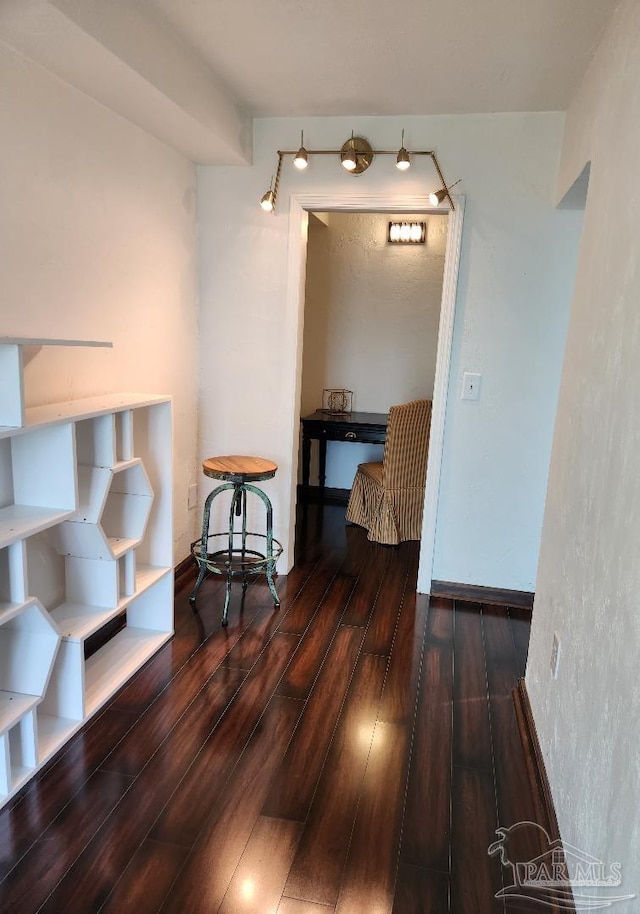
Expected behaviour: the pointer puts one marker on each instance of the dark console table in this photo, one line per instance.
(359, 428)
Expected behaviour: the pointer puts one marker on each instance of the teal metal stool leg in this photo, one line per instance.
(238, 508)
(243, 554)
(201, 555)
(271, 565)
(227, 598)
(192, 596)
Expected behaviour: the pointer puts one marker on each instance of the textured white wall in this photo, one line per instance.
(371, 320)
(516, 276)
(588, 719)
(98, 241)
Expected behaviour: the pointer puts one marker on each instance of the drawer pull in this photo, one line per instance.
(351, 436)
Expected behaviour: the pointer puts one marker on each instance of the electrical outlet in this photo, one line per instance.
(192, 499)
(555, 655)
(470, 386)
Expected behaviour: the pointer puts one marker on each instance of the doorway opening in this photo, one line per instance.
(333, 334)
(371, 317)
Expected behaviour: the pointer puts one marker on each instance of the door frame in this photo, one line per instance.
(299, 208)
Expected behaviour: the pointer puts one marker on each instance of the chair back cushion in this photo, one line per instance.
(407, 445)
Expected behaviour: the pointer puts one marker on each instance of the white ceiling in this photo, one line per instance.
(380, 57)
(194, 72)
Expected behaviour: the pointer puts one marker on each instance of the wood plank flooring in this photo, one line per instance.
(351, 753)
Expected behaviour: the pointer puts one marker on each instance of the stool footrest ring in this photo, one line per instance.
(238, 561)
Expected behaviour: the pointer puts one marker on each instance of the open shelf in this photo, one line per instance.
(80, 684)
(37, 482)
(75, 410)
(17, 522)
(43, 341)
(53, 732)
(12, 372)
(116, 662)
(78, 621)
(119, 545)
(147, 575)
(13, 706)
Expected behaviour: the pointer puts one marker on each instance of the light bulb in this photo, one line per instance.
(301, 158)
(436, 197)
(267, 202)
(403, 161)
(348, 160)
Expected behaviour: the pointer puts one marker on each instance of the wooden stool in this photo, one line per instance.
(236, 559)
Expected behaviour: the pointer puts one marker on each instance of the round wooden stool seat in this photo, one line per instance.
(240, 469)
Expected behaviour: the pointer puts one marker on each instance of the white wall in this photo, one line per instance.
(588, 719)
(518, 262)
(98, 241)
(371, 321)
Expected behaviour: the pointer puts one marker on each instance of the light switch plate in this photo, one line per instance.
(470, 386)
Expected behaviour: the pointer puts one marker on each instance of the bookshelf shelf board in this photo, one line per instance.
(13, 706)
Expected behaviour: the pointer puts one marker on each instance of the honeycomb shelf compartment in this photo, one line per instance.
(113, 512)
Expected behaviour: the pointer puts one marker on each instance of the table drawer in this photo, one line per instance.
(354, 433)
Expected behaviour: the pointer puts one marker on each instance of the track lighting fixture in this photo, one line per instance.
(437, 196)
(402, 160)
(355, 155)
(301, 158)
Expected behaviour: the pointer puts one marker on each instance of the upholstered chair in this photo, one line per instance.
(388, 497)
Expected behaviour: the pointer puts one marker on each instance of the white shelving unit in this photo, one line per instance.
(85, 538)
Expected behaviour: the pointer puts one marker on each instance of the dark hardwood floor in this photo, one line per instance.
(351, 753)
